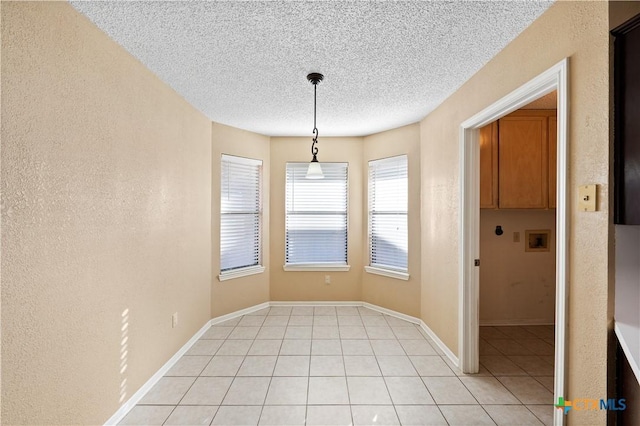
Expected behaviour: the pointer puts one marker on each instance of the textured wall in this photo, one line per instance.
(516, 286)
(239, 293)
(398, 295)
(578, 30)
(310, 285)
(106, 208)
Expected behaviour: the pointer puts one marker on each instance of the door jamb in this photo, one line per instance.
(555, 78)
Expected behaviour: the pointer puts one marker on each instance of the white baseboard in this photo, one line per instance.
(326, 303)
(409, 318)
(136, 397)
(500, 323)
(440, 343)
(447, 352)
(391, 313)
(241, 312)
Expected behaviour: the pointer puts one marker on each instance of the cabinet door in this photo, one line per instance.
(523, 154)
(489, 166)
(627, 124)
(553, 155)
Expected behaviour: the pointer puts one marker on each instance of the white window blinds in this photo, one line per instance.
(240, 213)
(316, 222)
(388, 199)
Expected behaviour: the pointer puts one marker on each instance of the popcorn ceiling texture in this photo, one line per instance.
(244, 64)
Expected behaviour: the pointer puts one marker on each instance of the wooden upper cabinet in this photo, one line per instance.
(518, 161)
(524, 162)
(553, 160)
(489, 166)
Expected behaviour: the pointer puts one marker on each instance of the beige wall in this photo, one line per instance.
(345, 286)
(516, 286)
(355, 285)
(110, 210)
(106, 206)
(239, 293)
(390, 293)
(578, 30)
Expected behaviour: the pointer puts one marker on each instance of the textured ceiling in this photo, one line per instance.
(386, 64)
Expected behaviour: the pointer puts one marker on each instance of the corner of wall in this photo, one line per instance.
(239, 293)
(390, 293)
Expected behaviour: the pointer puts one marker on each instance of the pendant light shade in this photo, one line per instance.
(314, 171)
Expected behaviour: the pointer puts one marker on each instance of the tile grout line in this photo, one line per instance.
(214, 355)
(240, 366)
(345, 366)
(499, 381)
(306, 407)
(479, 404)
(527, 374)
(233, 328)
(199, 375)
(384, 380)
(264, 402)
(442, 358)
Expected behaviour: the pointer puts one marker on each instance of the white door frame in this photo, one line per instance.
(555, 78)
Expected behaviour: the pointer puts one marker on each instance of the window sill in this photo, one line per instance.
(387, 273)
(318, 267)
(237, 273)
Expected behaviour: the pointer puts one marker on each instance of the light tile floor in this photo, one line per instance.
(349, 366)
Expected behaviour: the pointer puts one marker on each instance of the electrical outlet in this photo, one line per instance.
(174, 320)
(516, 237)
(327, 279)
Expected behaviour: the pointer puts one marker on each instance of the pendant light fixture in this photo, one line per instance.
(314, 171)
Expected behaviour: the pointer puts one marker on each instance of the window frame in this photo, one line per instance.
(378, 269)
(257, 268)
(318, 266)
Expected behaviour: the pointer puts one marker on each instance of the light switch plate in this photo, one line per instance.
(587, 198)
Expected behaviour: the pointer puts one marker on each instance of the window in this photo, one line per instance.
(388, 200)
(316, 218)
(240, 217)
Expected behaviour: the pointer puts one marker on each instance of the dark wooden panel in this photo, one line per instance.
(627, 123)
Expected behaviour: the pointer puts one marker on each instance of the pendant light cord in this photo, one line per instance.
(315, 78)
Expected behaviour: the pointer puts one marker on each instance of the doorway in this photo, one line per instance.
(517, 252)
(556, 78)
